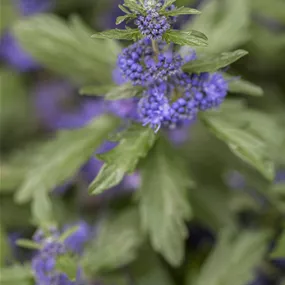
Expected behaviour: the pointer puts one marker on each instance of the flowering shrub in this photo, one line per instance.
(141, 155)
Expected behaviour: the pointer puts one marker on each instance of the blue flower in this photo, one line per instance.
(76, 241)
(12, 53)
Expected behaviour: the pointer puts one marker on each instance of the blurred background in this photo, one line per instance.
(43, 64)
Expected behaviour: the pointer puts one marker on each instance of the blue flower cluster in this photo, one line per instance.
(44, 262)
(153, 25)
(171, 96)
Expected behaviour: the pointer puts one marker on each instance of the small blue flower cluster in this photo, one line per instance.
(171, 96)
(44, 262)
(153, 25)
(139, 63)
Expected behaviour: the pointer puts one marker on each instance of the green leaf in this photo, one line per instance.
(66, 48)
(211, 206)
(121, 19)
(148, 269)
(166, 4)
(181, 11)
(191, 38)
(59, 159)
(123, 91)
(68, 233)
(116, 244)
(95, 90)
(279, 250)
(134, 144)
(237, 85)
(67, 264)
(230, 261)
(29, 244)
(16, 274)
(163, 203)
(8, 15)
(220, 18)
(4, 247)
(134, 6)
(42, 210)
(214, 63)
(113, 92)
(124, 9)
(245, 144)
(118, 34)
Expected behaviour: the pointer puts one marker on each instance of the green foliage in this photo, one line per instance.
(7, 15)
(4, 247)
(211, 206)
(134, 144)
(29, 244)
(230, 261)
(246, 140)
(134, 6)
(116, 245)
(121, 19)
(163, 203)
(213, 63)
(181, 11)
(66, 48)
(113, 92)
(59, 159)
(226, 23)
(238, 85)
(279, 250)
(190, 38)
(16, 274)
(15, 109)
(118, 34)
(67, 264)
(148, 269)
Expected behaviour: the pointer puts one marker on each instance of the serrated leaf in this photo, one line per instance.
(66, 48)
(26, 243)
(116, 244)
(118, 34)
(181, 11)
(134, 6)
(134, 144)
(191, 38)
(246, 145)
(234, 249)
(163, 203)
(213, 63)
(16, 274)
(59, 159)
(238, 85)
(121, 19)
(67, 264)
(279, 250)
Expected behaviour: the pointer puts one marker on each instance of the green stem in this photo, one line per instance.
(155, 47)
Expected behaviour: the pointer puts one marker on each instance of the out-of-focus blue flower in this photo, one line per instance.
(43, 263)
(12, 53)
(31, 7)
(76, 241)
